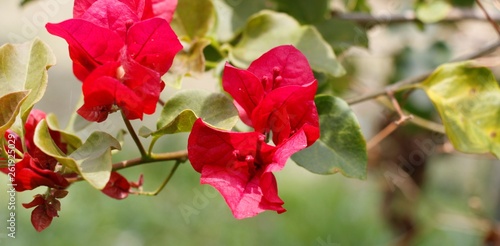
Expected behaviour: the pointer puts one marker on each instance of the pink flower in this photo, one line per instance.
(276, 94)
(240, 166)
(126, 45)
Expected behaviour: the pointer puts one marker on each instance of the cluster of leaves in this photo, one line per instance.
(123, 53)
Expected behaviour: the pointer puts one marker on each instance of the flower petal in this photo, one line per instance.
(245, 88)
(153, 44)
(89, 45)
(292, 64)
(117, 187)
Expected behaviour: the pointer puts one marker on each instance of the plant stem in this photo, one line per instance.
(403, 84)
(134, 136)
(368, 20)
(178, 156)
(488, 17)
(161, 102)
(165, 182)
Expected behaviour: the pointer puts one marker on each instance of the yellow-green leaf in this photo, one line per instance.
(10, 104)
(93, 158)
(467, 98)
(24, 67)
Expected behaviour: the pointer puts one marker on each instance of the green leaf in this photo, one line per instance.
(186, 106)
(10, 104)
(342, 34)
(193, 19)
(307, 12)
(24, 67)
(357, 6)
(232, 16)
(433, 11)
(73, 142)
(468, 100)
(268, 29)
(93, 158)
(341, 147)
(44, 142)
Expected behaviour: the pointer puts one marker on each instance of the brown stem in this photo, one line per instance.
(488, 17)
(134, 136)
(416, 79)
(179, 156)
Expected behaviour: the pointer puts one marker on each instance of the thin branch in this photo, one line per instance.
(368, 20)
(177, 156)
(416, 79)
(161, 102)
(488, 17)
(134, 136)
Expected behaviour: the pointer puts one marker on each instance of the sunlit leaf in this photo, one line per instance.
(468, 100)
(10, 104)
(193, 19)
(93, 158)
(268, 29)
(185, 107)
(73, 142)
(433, 11)
(24, 67)
(341, 146)
(44, 142)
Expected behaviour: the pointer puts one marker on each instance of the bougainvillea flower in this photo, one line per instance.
(240, 166)
(144, 9)
(47, 207)
(36, 168)
(118, 56)
(276, 93)
(30, 174)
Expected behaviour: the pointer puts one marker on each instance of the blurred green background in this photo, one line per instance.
(452, 199)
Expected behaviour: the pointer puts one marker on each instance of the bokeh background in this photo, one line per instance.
(450, 198)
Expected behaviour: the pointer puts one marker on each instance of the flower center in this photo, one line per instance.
(271, 83)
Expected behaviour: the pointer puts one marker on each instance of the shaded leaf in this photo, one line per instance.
(10, 104)
(341, 146)
(268, 29)
(307, 12)
(93, 158)
(342, 34)
(357, 5)
(468, 101)
(185, 107)
(188, 62)
(232, 16)
(73, 142)
(24, 67)
(44, 142)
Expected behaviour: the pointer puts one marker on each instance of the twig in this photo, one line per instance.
(178, 156)
(413, 80)
(161, 102)
(488, 17)
(368, 20)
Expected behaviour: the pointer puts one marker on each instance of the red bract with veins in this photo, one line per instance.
(47, 207)
(276, 94)
(133, 39)
(240, 166)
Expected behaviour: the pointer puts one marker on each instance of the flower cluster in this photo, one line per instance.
(120, 49)
(38, 169)
(275, 96)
